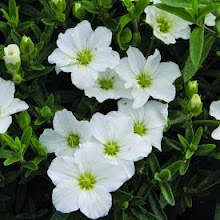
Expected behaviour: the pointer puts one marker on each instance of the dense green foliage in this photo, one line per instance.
(182, 181)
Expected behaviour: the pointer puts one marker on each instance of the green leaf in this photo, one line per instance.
(196, 45)
(13, 159)
(30, 165)
(178, 3)
(167, 193)
(10, 142)
(198, 135)
(139, 8)
(183, 142)
(5, 153)
(154, 164)
(12, 8)
(180, 12)
(26, 136)
(156, 207)
(142, 214)
(184, 167)
(205, 149)
(124, 20)
(189, 69)
(206, 10)
(121, 196)
(174, 167)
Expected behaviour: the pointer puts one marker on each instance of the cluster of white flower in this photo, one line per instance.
(8, 104)
(95, 158)
(168, 27)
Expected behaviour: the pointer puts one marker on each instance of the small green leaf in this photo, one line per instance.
(198, 135)
(13, 159)
(183, 142)
(167, 193)
(205, 149)
(196, 45)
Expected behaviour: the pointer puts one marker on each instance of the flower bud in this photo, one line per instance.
(78, 10)
(24, 120)
(58, 5)
(12, 58)
(191, 88)
(17, 78)
(27, 45)
(195, 105)
(46, 112)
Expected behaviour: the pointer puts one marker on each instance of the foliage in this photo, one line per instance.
(186, 174)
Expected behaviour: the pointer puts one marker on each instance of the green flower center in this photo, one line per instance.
(84, 57)
(73, 140)
(106, 84)
(164, 25)
(87, 181)
(140, 128)
(144, 80)
(111, 148)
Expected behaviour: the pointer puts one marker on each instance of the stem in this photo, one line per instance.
(150, 46)
(206, 122)
(177, 121)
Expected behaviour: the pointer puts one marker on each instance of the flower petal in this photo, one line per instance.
(215, 109)
(95, 203)
(140, 97)
(15, 106)
(216, 133)
(65, 198)
(162, 89)
(5, 122)
(63, 170)
(101, 37)
(7, 90)
(136, 59)
(169, 71)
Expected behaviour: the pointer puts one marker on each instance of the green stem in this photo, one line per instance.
(206, 122)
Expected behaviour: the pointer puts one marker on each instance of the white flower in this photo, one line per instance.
(215, 112)
(113, 133)
(166, 26)
(108, 85)
(8, 104)
(148, 77)
(67, 135)
(84, 182)
(12, 54)
(156, 1)
(210, 19)
(148, 121)
(84, 53)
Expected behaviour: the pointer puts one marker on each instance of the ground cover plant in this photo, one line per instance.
(110, 109)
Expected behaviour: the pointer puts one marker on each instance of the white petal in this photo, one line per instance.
(127, 167)
(54, 142)
(7, 90)
(64, 122)
(65, 44)
(210, 19)
(216, 133)
(169, 71)
(124, 71)
(215, 109)
(162, 89)
(65, 198)
(84, 77)
(101, 37)
(95, 203)
(59, 58)
(140, 97)
(154, 137)
(5, 122)
(105, 58)
(136, 59)
(153, 62)
(15, 106)
(135, 147)
(63, 170)
(81, 34)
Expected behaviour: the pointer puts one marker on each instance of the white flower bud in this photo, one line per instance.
(12, 54)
